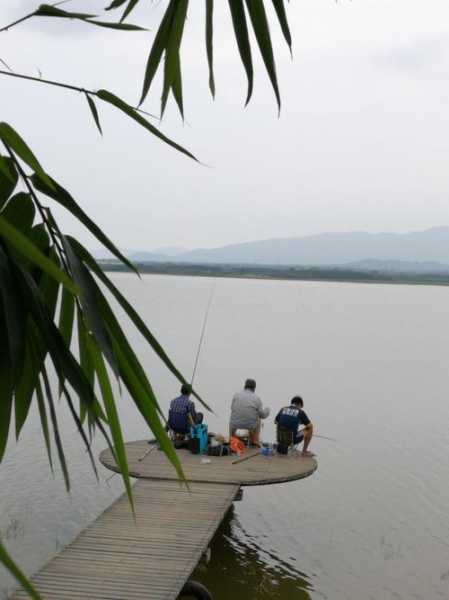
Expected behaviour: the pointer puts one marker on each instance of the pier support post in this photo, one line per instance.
(193, 589)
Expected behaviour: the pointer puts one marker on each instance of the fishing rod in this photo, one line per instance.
(203, 331)
(147, 452)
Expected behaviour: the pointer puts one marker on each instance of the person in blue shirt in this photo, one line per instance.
(290, 418)
(182, 414)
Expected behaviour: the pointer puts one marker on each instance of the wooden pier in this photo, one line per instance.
(117, 558)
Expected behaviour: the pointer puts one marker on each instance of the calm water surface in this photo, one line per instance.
(371, 362)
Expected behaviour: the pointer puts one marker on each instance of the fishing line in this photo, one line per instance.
(203, 330)
(324, 437)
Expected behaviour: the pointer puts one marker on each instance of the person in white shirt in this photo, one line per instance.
(247, 411)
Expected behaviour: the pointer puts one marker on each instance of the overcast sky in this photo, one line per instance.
(362, 142)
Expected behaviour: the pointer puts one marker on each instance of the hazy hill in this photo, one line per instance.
(420, 252)
(143, 256)
(170, 250)
(431, 245)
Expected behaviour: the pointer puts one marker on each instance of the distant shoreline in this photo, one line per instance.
(268, 272)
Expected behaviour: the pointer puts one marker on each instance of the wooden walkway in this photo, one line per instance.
(117, 559)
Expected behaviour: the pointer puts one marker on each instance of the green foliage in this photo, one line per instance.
(35, 271)
(47, 10)
(51, 285)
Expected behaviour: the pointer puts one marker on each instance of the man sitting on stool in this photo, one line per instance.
(247, 411)
(182, 414)
(289, 419)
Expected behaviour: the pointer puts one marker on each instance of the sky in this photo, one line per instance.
(361, 143)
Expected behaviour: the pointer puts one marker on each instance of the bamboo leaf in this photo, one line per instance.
(94, 111)
(176, 85)
(88, 295)
(34, 358)
(62, 196)
(49, 289)
(209, 44)
(172, 68)
(6, 387)
(56, 434)
(20, 211)
(158, 48)
(66, 317)
(112, 414)
(120, 26)
(35, 352)
(115, 4)
(261, 29)
(7, 169)
(26, 364)
(243, 43)
(85, 361)
(47, 10)
(131, 112)
(8, 179)
(279, 7)
(81, 431)
(11, 138)
(23, 246)
(14, 315)
(84, 255)
(131, 5)
(39, 237)
(44, 421)
(11, 566)
(24, 389)
(87, 367)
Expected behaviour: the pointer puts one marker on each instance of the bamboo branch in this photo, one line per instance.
(67, 86)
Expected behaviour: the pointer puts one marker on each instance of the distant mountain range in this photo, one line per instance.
(419, 251)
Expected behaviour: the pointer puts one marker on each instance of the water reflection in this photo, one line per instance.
(240, 568)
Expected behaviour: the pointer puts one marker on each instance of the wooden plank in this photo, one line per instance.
(117, 558)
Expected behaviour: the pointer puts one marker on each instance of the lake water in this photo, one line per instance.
(371, 362)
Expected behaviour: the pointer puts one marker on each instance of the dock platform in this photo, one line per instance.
(258, 470)
(117, 558)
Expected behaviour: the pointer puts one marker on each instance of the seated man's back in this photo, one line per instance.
(247, 411)
(182, 414)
